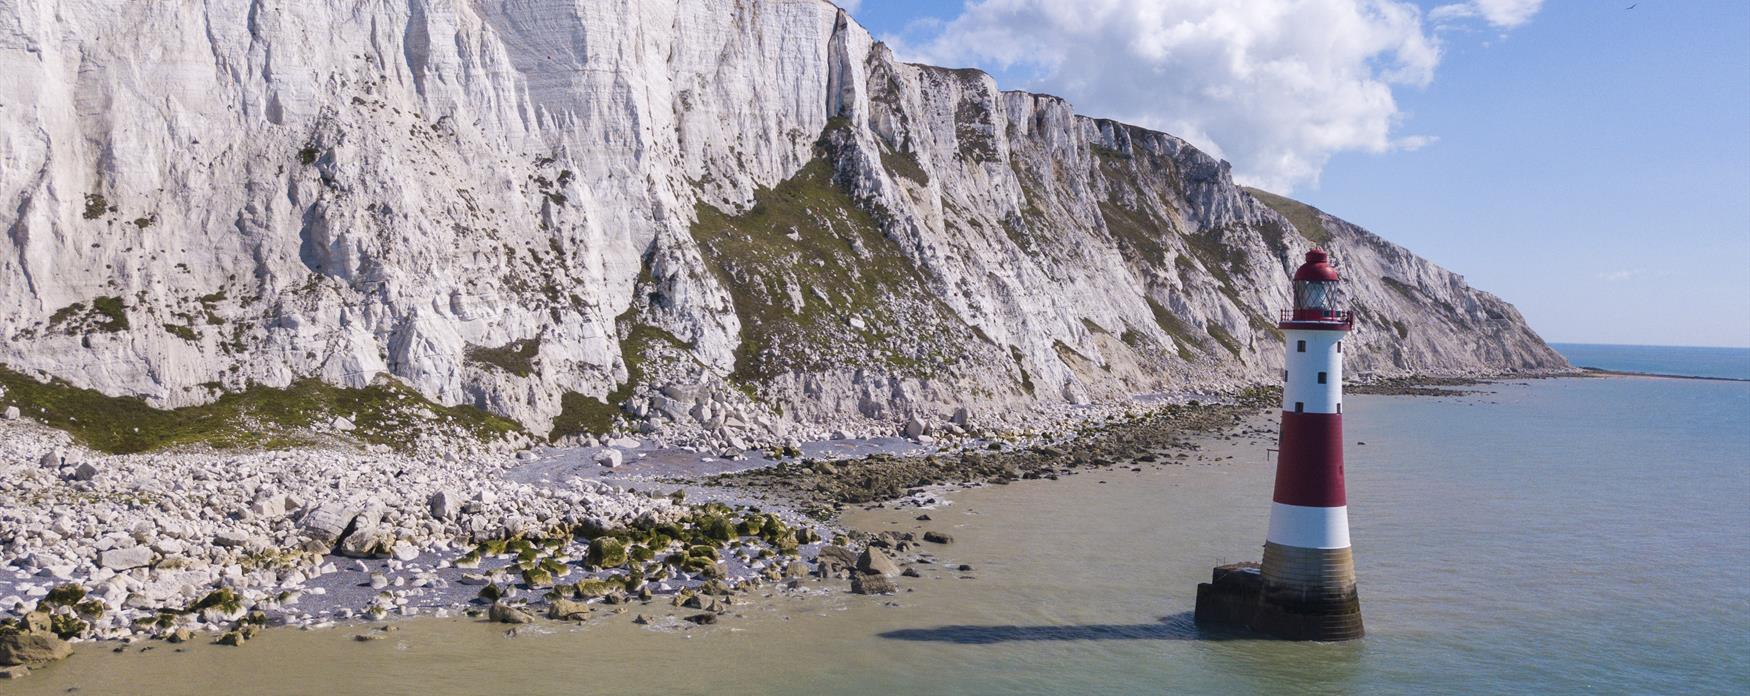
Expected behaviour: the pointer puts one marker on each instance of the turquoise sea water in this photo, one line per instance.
(1563, 536)
(1727, 363)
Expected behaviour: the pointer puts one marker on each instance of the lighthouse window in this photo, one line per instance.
(1339, 407)
(1300, 346)
(1339, 346)
(1316, 295)
(1300, 407)
(1321, 378)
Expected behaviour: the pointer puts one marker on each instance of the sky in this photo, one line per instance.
(1586, 161)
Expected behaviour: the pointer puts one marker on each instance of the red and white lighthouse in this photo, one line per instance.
(1305, 588)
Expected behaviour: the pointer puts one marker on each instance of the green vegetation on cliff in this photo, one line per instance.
(386, 412)
(1305, 218)
(583, 414)
(516, 357)
(816, 285)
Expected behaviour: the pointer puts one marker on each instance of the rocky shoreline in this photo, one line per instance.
(178, 545)
(822, 487)
(1417, 386)
(1601, 372)
(218, 545)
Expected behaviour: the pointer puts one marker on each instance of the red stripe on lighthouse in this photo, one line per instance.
(1309, 466)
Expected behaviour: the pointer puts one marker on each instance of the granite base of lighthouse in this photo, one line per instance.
(1236, 598)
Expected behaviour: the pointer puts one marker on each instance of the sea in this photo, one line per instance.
(1572, 535)
(1714, 363)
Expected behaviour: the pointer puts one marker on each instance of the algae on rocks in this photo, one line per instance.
(607, 552)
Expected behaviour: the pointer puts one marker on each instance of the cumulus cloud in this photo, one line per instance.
(1274, 86)
(1504, 14)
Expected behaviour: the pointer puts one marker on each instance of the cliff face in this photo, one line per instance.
(552, 208)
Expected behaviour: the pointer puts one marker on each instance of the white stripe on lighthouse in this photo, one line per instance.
(1309, 527)
(1302, 386)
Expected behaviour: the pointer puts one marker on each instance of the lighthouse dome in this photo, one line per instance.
(1317, 268)
(1315, 294)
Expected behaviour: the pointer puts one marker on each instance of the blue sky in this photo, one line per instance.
(1586, 162)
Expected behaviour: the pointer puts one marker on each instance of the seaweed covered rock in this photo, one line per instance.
(537, 577)
(607, 552)
(703, 566)
(219, 606)
(716, 528)
(594, 587)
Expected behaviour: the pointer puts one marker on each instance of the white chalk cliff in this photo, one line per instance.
(498, 202)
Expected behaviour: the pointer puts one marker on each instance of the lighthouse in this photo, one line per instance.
(1305, 588)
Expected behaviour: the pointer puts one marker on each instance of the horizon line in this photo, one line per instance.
(1645, 345)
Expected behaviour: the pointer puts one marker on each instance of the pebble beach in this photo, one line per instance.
(217, 546)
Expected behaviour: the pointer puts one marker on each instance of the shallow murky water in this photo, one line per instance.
(1566, 535)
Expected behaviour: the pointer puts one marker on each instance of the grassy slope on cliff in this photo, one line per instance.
(817, 286)
(387, 413)
(1305, 218)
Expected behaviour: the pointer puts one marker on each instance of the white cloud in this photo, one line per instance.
(1412, 143)
(1275, 86)
(1627, 274)
(1504, 14)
